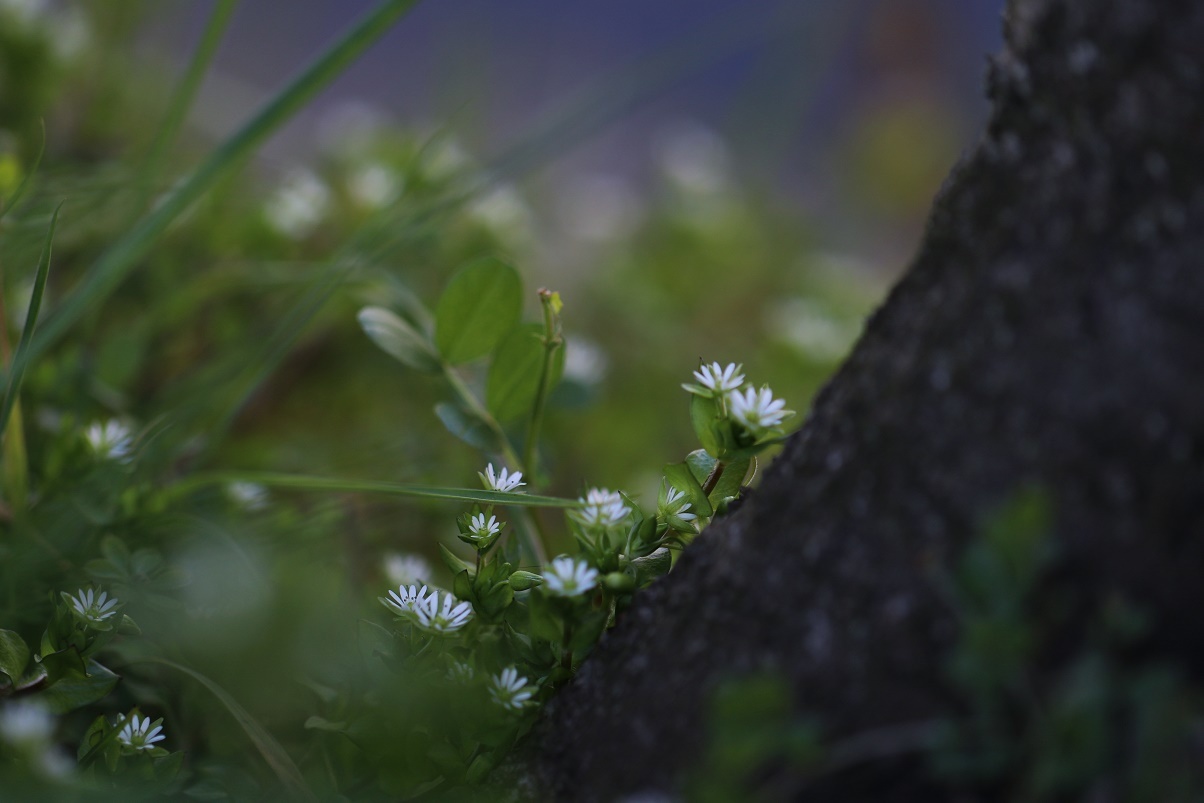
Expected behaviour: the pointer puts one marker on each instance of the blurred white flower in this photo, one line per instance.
(298, 205)
(599, 208)
(603, 508)
(565, 577)
(138, 735)
(441, 613)
(693, 157)
(92, 608)
(25, 722)
(757, 409)
(23, 12)
(111, 439)
(404, 569)
(584, 361)
(374, 185)
(506, 482)
(460, 672)
(503, 210)
(509, 689)
(250, 495)
(811, 329)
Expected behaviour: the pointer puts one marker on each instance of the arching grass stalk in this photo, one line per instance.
(114, 264)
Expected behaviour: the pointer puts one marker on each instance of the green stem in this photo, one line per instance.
(566, 655)
(528, 528)
(713, 478)
(552, 341)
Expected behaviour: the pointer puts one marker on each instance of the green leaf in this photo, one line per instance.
(514, 374)
(481, 304)
(268, 747)
(321, 724)
(653, 566)
(703, 413)
(397, 338)
(468, 427)
(22, 355)
(14, 655)
(680, 477)
(454, 562)
(11, 203)
(75, 689)
(701, 464)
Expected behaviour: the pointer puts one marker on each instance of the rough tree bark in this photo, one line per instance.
(1050, 329)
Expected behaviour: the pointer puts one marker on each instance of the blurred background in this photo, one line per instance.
(725, 180)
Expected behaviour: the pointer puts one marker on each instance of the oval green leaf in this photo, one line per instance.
(514, 375)
(14, 655)
(481, 304)
(399, 339)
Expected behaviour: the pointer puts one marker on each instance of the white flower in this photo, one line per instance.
(250, 495)
(406, 599)
(298, 205)
(758, 409)
(25, 722)
(137, 733)
(482, 529)
(603, 508)
(441, 613)
(509, 689)
(671, 507)
(374, 185)
(565, 577)
(505, 482)
(406, 569)
(92, 608)
(111, 439)
(720, 380)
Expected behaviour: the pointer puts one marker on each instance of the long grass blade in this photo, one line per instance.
(22, 355)
(112, 266)
(186, 92)
(271, 750)
(327, 484)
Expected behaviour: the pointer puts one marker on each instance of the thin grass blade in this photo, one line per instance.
(22, 355)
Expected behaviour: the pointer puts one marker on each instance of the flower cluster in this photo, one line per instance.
(758, 410)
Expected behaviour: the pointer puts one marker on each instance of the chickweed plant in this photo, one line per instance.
(136, 353)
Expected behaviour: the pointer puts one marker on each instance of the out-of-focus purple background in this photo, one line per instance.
(853, 109)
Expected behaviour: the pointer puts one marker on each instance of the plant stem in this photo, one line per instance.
(551, 342)
(713, 478)
(566, 655)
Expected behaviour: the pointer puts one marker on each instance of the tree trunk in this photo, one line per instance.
(1050, 331)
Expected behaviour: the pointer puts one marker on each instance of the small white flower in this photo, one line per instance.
(603, 508)
(298, 205)
(441, 613)
(565, 577)
(374, 185)
(111, 439)
(138, 735)
(25, 722)
(482, 529)
(674, 507)
(406, 599)
(405, 569)
(758, 409)
(505, 482)
(509, 689)
(720, 380)
(92, 608)
(250, 495)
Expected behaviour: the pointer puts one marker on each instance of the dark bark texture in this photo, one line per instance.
(1050, 330)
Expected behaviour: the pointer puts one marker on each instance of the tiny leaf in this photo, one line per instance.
(397, 338)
